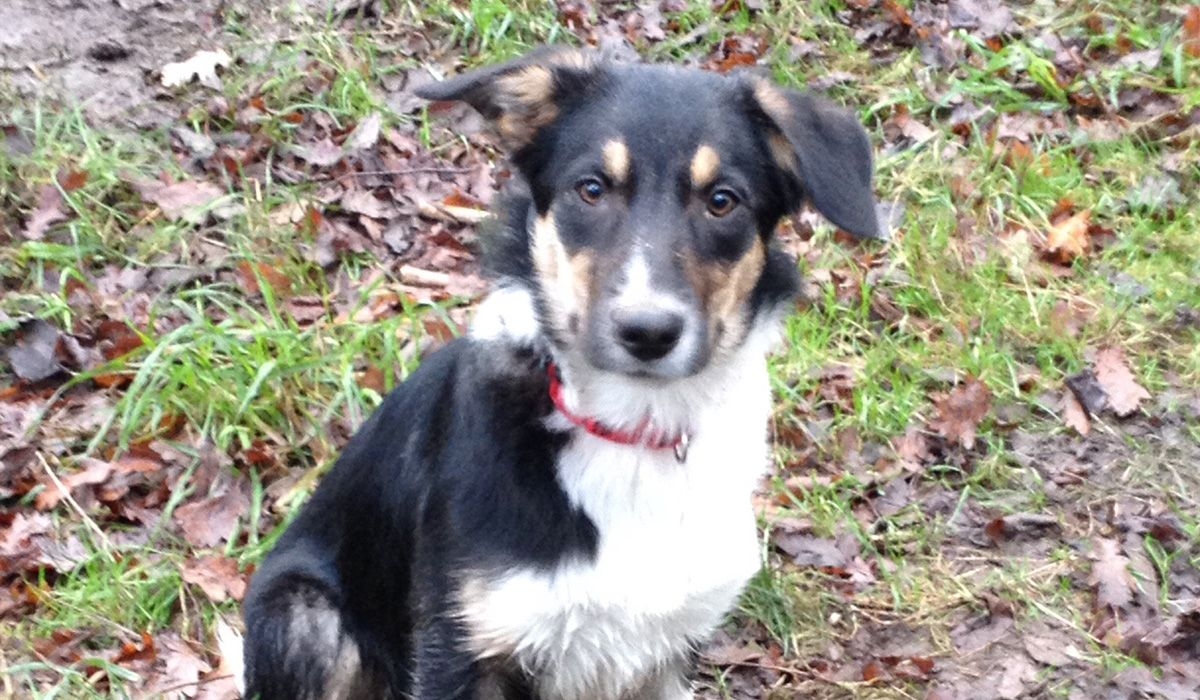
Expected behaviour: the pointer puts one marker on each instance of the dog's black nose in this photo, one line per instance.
(647, 333)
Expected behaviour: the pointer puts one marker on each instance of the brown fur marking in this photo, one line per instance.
(705, 164)
(567, 279)
(725, 290)
(529, 103)
(616, 161)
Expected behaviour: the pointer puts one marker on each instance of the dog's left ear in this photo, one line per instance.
(826, 150)
(523, 95)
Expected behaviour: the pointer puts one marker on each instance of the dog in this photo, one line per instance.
(558, 504)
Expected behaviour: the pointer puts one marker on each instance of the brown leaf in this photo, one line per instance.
(365, 202)
(321, 153)
(1114, 376)
(1074, 415)
(72, 180)
(1191, 31)
(180, 201)
(95, 471)
(51, 209)
(961, 411)
(250, 274)
(217, 576)
(1110, 575)
(1015, 525)
(176, 671)
(209, 521)
(1068, 239)
(873, 670)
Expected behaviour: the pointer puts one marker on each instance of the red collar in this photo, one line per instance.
(644, 434)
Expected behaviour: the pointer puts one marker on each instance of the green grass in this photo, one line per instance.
(234, 368)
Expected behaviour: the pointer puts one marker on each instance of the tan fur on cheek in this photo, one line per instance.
(616, 161)
(566, 280)
(705, 164)
(726, 290)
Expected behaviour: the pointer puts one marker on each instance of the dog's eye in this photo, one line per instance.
(591, 190)
(721, 202)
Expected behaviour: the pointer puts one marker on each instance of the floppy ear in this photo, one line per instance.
(827, 151)
(521, 96)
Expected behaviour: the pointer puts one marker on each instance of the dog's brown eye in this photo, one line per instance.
(721, 202)
(591, 190)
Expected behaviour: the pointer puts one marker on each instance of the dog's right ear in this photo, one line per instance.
(523, 95)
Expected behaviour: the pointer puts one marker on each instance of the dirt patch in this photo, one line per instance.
(101, 54)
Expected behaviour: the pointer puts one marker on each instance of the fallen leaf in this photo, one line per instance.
(1074, 414)
(1191, 31)
(72, 180)
(176, 671)
(1113, 375)
(209, 521)
(1110, 574)
(202, 66)
(808, 550)
(365, 135)
(1016, 525)
(988, 18)
(51, 209)
(1068, 239)
(365, 202)
(187, 201)
(321, 154)
(1047, 650)
(94, 471)
(32, 356)
(961, 411)
(250, 274)
(217, 576)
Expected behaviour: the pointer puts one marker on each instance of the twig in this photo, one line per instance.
(431, 169)
(66, 495)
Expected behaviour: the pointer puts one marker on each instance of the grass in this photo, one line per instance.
(235, 369)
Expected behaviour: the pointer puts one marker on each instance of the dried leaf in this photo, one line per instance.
(217, 576)
(181, 201)
(1068, 239)
(365, 135)
(1074, 415)
(1191, 31)
(51, 209)
(961, 411)
(1110, 575)
(250, 274)
(209, 521)
(1114, 376)
(32, 357)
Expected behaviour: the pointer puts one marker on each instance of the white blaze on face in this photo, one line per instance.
(637, 288)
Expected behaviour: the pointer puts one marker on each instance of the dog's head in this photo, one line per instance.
(655, 192)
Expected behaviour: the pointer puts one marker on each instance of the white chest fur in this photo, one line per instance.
(676, 544)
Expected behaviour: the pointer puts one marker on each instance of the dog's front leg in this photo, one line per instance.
(444, 668)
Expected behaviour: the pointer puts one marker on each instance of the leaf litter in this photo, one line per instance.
(383, 195)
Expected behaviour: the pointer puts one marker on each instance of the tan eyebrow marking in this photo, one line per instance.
(705, 164)
(616, 161)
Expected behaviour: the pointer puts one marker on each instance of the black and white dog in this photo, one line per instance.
(557, 506)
